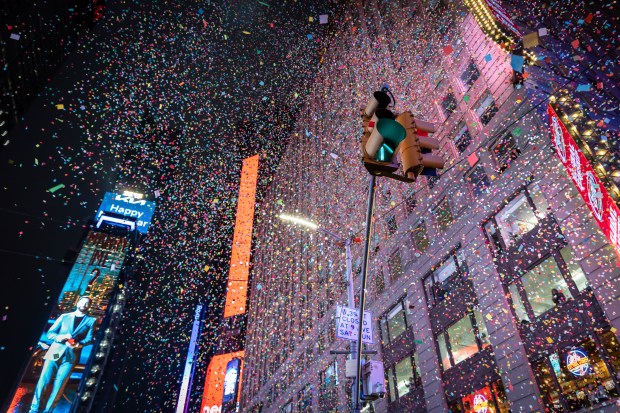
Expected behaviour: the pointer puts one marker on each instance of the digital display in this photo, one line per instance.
(56, 367)
(140, 209)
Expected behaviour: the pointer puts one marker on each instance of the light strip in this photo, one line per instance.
(298, 220)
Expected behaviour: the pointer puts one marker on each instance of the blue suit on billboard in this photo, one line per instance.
(64, 353)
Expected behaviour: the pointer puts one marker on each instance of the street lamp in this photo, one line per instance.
(347, 243)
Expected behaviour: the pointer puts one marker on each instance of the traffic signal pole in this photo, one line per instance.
(369, 213)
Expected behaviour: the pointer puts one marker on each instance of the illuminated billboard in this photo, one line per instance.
(216, 384)
(125, 205)
(56, 367)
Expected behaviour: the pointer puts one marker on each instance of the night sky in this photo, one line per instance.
(167, 96)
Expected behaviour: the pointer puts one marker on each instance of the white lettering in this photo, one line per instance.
(130, 200)
(576, 170)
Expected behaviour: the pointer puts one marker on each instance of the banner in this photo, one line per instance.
(56, 368)
(588, 184)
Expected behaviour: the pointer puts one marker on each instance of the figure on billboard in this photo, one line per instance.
(69, 333)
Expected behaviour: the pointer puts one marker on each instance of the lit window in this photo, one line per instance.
(540, 283)
(420, 238)
(486, 108)
(395, 265)
(505, 151)
(394, 323)
(404, 376)
(478, 180)
(391, 224)
(443, 215)
(462, 138)
(462, 340)
(470, 75)
(576, 273)
(449, 104)
(445, 278)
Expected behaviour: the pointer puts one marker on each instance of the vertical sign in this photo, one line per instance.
(189, 362)
(236, 294)
(588, 184)
(56, 367)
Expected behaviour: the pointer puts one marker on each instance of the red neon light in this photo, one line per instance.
(588, 184)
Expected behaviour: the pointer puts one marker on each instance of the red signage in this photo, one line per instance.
(502, 16)
(588, 184)
(479, 401)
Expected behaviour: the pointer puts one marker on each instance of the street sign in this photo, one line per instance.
(347, 320)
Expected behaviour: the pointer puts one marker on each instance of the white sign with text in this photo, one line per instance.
(347, 322)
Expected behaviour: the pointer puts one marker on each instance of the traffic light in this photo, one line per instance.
(382, 135)
(389, 139)
(415, 150)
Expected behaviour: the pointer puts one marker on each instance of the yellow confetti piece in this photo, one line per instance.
(549, 340)
(60, 106)
(310, 19)
(207, 268)
(489, 317)
(246, 32)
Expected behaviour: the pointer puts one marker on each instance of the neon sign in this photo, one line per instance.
(589, 185)
(578, 362)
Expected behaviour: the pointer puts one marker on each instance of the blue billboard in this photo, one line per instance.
(140, 209)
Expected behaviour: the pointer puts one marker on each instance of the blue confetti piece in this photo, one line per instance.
(309, 37)
(261, 83)
(583, 87)
(200, 11)
(516, 62)
(488, 58)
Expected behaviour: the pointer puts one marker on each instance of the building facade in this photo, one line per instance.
(493, 287)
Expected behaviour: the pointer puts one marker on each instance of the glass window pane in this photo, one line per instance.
(576, 273)
(584, 380)
(420, 237)
(545, 286)
(428, 287)
(390, 374)
(396, 322)
(610, 342)
(384, 331)
(540, 202)
(443, 215)
(462, 339)
(515, 219)
(518, 303)
(443, 351)
(445, 270)
(482, 328)
(404, 375)
(416, 362)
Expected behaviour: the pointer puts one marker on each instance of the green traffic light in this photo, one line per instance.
(393, 133)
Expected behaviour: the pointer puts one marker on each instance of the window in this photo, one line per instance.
(378, 283)
(410, 202)
(328, 394)
(478, 180)
(539, 284)
(445, 277)
(448, 104)
(505, 151)
(470, 75)
(304, 399)
(584, 378)
(517, 218)
(403, 377)
(419, 238)
(391, 225)
(443, 215)
(287, 408)
(395, 265)
(486, 108)
(577, 274)
(394, 323)
(461, 340)
(462, 138)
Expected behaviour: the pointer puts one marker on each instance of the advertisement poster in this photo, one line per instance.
(55, 369)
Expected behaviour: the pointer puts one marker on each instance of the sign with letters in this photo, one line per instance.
(347, 323)
(140, 209)
(588, 184)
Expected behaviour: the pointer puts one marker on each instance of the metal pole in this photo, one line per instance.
(358, 374)
(351, 300)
